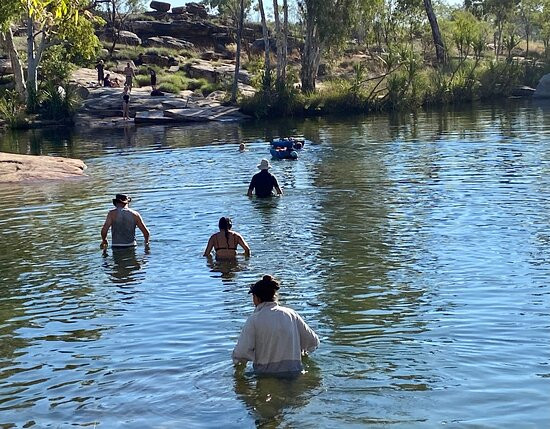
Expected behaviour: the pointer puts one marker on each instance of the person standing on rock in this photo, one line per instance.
(125, 103)
(153, 75)
(130, 74)
(264, 182)
(100, 76)
(123, 221)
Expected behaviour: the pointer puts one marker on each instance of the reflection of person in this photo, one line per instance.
(123, 221)
(264, 182)
(100, 66)
(274, 337)
(125, 103)
(130, 74)
(225, 242)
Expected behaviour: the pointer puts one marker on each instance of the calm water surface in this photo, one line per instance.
(418, 247)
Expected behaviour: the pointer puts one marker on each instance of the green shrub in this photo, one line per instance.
(169, 87)
(59, 103)
(142, 80)
(11, 109)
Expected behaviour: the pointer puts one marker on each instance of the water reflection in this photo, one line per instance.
(125, 265)
(227, 267)
(269, 398)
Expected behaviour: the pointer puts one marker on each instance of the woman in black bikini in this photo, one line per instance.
(125, 103)
(225, 242)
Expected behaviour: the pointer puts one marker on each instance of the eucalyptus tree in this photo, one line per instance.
(281, 33)
(501, 10)
(118, 13)
(527, 11)
(325, 23)
(48, 23)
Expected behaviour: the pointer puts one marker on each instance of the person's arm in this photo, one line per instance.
(244, 350)
(250, 188)
(209, 246)
(105, 230)
(277, 187)
(141, 225)
(309, 340)
(243, 244)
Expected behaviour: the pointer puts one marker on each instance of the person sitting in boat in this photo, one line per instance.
(225, 242)
(264, 182)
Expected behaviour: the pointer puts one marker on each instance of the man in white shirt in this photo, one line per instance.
(274, 337)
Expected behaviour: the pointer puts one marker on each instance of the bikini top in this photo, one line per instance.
(217, 247)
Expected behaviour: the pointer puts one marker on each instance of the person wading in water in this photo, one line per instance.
(123, 222)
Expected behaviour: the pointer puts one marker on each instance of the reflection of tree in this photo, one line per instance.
(269, 398)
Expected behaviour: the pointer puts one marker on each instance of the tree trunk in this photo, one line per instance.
(285, 40)
(311, 55)
(32, 66)
(279, 40)
(267, 47)
(238, 53)
(6, 41)
(436, 34)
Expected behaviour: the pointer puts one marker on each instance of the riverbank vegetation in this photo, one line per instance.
(316, 57)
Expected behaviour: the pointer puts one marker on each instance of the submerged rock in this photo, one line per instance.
(24, 168)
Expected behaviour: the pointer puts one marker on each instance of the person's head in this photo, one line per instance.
(127, 64)
(126, 89)
(121, 200)
(264, 164)
(100, 61)
(242, 146)
(225, 224)
(107, 76)
(264, 290)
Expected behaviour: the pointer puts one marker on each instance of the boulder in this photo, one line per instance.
(159, 60)
(189, 30)
(257, 46)
(5, 66)
(179, 10)
(23, 168)
(197, 9)
(202, 70)
(168, 42)
(203, 114)
(124, 38)
(160, 6)
(543, 88)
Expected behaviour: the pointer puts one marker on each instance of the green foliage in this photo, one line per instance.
(11, 109)
(59, 102)
(169, 87)
(56, 65)
(142, 80)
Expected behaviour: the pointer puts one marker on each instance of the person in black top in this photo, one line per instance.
(125, 102)
(100, 66)
(153, 79)
(264, 182)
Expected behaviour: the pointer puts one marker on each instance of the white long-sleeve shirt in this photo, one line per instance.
(273, 338)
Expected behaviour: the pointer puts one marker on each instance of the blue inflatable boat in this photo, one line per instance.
(286, 148)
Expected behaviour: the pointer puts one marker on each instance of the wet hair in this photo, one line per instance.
(266, 289)
(225, 224)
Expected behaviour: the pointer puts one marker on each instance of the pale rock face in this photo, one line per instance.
(543, 88)
(30, 168)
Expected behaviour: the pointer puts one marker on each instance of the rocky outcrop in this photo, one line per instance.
(124, 37)
(160, 6)
(168, 42)
(196, 9)
(218, 114)
(543, 88)
(24, 168)
(215, 74)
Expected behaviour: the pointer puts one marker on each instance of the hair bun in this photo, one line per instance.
(271, 282)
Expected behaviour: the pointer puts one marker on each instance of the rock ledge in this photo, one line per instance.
(23, 168)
